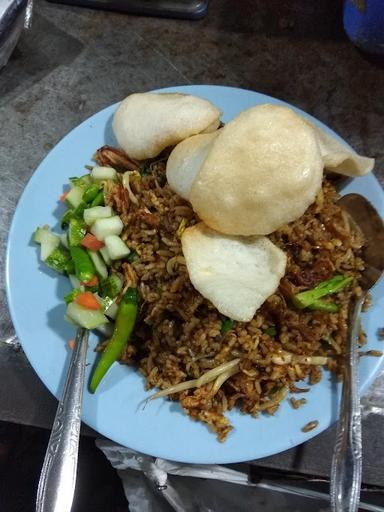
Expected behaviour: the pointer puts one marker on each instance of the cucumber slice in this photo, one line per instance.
(106, 329)
(87, 318)
(69, 320)
(106, 227)
(76, 231)
(39, 233)
(82, 182)
(48, 243)
(91, 215)
(71, 296)
(74, 197)
(59, 259)
(75, 282)
(111, 286)
(100, 267)
(103, 173)
(117, 249)
(111, 311)
(104, 252)
(64, 240)
(104, 301)
(108, 305)
(66, 218)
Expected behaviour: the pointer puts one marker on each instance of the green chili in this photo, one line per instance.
(70, 267)
(124, 324)
(98, 200)
(77, 213)
(304, 299)
(84, 268)
(91, 192)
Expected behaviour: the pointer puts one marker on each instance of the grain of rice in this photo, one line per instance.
(297, 403)
(310, 426)
(373, 353)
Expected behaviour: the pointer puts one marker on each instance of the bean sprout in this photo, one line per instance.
(209, 376)
(288, 358)
(126, 184)
(215, 372)
(173, 263)
(222, 378)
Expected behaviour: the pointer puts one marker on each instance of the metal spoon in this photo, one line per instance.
(58, 476)
(347, 459)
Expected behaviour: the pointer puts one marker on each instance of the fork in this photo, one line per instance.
(58, 476)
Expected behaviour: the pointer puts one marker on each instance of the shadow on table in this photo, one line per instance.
(39, 51)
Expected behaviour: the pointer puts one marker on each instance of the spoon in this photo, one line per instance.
(347, 459)
(58, 476)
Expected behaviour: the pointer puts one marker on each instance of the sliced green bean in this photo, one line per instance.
(322, 305)
(84, 268)
(99, 199)
(91, 192)
(304, 299)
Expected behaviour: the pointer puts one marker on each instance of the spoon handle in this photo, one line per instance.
(347, 458)
(58, 476)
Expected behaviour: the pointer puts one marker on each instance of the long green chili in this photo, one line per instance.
(124, 324)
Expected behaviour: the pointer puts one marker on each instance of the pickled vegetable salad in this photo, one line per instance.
(85, 252)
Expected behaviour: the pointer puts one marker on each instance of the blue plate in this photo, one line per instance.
(35, 297)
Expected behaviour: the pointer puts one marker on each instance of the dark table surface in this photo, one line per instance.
(75, 61)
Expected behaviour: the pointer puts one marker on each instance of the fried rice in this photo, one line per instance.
(179, 335)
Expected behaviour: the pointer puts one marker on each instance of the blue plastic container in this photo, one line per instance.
(364, 24)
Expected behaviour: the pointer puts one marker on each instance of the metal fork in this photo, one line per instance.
(347, 457)
(58, 476)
